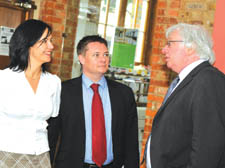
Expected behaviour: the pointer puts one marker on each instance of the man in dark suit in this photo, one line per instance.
(189, 128)
(75, 121)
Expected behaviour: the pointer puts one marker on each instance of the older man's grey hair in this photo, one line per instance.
(195, 36)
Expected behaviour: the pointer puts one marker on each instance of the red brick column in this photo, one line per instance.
(70, 33)
(54, 13)
(62, 16)
(166, 14)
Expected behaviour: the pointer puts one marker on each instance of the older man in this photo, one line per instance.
(189, 128)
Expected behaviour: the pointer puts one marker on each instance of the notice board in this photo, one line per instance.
(124, 48)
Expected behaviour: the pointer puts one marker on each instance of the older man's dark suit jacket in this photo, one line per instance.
(71, 125)
(189, 129)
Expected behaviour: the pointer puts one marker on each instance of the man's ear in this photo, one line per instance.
(81, 59)
(191, 50)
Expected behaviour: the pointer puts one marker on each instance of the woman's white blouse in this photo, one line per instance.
(23, 113)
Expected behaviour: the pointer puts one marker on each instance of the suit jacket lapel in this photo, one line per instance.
(78, 107)
(77, 95)
(185, 82)
(113, 100)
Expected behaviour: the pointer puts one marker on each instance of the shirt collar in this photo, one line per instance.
(189, 68)
(87, 82)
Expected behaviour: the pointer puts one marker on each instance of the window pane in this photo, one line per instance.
(110, 31)
(130, 14)
(103, 9)
(139, 47)
(142, 14)
(113, 13)
(101, 28)
(136, 13)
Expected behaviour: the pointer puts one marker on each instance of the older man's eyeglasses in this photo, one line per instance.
(168, 43)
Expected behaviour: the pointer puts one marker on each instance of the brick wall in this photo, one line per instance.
(169, 12)
(62, 16)
(70, 35)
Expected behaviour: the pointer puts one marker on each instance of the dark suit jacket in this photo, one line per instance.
(189, 129)
(71, 125)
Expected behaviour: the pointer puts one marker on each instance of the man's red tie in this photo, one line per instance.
(98, 129)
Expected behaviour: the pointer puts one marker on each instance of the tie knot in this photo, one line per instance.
(170, 89)
(94, 87)
(176, 80)
(174, 83)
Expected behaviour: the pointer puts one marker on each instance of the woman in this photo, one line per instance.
(29, 95)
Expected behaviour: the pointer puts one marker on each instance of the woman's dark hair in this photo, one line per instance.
(81, 47)
(24, 37)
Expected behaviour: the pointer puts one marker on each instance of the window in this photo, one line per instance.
(103, 16)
